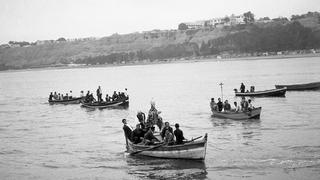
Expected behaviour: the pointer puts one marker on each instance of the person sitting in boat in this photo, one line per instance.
(226, 106)
(126, 129)
(55, 96)
(66, 97)
(168, 138)
(114, 96)
(107, 98)
(242, 88)
(149, 138)
(70, 95)
(244, 104)
(153, 117)
(137, 135)
(250, 107)
(125, 92)
(178, 134)
(220, 105)
(81, 94)
(237, 107)
(165, 128)
(213, 105)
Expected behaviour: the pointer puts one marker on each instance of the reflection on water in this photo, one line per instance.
(155, 168)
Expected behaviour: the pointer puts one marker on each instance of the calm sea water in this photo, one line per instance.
(42, 141)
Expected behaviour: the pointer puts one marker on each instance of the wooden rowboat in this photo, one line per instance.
(101, 105)
(300, 87)
(189, 150)
(67, 101)
(253, 114)
(267, 93)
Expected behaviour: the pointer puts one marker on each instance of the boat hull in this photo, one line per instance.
(300, 87)
(106, 104)
(268, 93)
(254, 114)
(69, 101)
(194, 150)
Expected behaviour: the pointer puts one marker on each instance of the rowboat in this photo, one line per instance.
(189, 150)
(67, 101)
(101, 105)
(253, 114)
(267, 93)
(300, 87)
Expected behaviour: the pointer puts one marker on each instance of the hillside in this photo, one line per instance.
(302, 33)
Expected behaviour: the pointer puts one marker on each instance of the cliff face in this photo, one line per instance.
(156, 45)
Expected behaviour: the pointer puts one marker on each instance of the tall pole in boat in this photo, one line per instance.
(221, 84)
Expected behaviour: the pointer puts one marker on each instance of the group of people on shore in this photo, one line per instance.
(144, 133)
(59, 96)
(226, 107)
(89, 98)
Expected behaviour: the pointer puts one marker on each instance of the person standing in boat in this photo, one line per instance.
(178, 134)
(126, 129)
(51, 97)
(165, 128)
(226, 106)
(141, 118)
(220, 105)
(153, 117)
(213, 105)
(242, 88)
(99, 94)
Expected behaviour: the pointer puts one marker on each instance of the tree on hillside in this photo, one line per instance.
(248, 17)
(182, 26)
(61, 39)
(226, 19)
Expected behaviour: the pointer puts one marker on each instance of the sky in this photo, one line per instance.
(31, 20)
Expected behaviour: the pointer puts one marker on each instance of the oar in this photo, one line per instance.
(151, 148)
(193, 139)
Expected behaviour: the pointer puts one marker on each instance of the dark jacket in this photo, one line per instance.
(179, 136)
(163, 132)
(136, 136)
(127, 132)
(220, 105)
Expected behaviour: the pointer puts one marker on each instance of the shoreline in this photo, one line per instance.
(193, 60)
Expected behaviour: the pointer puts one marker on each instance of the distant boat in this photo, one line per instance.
(301, 87)
(267, 93)
(191, 150)
(67, 101)
(253, 114)
(100, 105)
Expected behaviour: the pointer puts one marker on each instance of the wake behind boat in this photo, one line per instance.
(253, 114)
(300, 87)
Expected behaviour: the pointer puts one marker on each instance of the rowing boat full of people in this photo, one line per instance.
(267, 93)
(193, 149)
(301, 87)
(104, 104)
(253, 114)
(67, 101)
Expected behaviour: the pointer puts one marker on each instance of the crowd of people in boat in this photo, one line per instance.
(144, 132)
(89, 98)
(60, 96)
(245, 105)
(116, 96)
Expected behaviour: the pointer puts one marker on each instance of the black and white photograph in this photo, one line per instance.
(159, 89)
